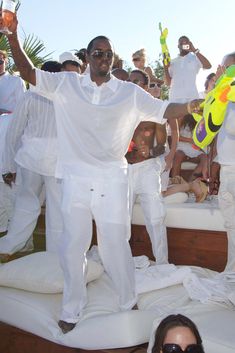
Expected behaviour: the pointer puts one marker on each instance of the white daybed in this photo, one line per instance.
(103, 327)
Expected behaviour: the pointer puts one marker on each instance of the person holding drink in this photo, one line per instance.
(96, 116)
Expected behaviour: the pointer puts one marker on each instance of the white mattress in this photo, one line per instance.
(188, 215)
(103, 327)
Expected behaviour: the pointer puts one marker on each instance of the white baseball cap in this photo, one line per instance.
(68, 56)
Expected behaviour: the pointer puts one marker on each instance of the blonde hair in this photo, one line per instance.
(141, 53)
(4, 53)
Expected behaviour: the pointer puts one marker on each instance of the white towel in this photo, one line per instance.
(141, 261)
(217, 289)
(159, 276)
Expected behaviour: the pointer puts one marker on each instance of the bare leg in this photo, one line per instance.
(214, 178)
(199, 171)
(180, 157)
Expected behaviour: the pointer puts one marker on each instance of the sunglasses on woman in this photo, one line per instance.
(175, 348)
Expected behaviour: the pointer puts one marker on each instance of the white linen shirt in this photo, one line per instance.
(95, 124)
(183, 71)
(32, 136)
(226, 140)
(11, 93)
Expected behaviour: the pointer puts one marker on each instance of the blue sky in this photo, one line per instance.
(131, 25)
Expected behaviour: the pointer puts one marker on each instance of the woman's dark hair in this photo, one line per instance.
(51, 66)
(144, 75)
(81, 54)
(209, 77)
(170, 322)
(189, 121)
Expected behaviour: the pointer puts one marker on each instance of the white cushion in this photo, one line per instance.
(40, 272)
(178, 197)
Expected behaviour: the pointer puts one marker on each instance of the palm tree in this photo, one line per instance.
(33, 47)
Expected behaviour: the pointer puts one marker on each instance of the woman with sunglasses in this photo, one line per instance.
(177, 334)
(139, 60)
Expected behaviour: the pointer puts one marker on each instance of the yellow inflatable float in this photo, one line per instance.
(214, 109)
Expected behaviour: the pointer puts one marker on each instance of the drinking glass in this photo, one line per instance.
(8, 9)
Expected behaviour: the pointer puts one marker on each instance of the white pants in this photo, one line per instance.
(28, 208)
(7, 202)
(145, 182)
(227, 206)
(107, 202)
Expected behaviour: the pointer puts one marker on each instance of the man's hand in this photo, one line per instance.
(9, 178)
(191, 47)
(220, 71)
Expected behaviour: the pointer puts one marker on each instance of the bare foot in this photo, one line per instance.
(66, 326)
(4, 257)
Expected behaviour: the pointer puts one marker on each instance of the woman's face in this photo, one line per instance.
(139, 62)
(181, 336)
(211, 83)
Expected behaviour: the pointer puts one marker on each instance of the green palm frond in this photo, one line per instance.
(33, 47)
(4, 45)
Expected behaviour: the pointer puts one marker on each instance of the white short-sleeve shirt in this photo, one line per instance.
(183, 71)
(95, 124)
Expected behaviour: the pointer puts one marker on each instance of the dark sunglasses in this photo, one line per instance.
(137, 82)
(136, 59)
(175, 348)
(1, 61)
(98, 54)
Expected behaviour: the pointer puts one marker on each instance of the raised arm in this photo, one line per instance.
(23, 64)
(167, 77)
(204, 61)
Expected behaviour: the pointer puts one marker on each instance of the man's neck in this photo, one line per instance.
(99, 80)
(2, 73)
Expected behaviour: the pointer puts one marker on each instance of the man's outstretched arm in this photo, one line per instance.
(23, 64)
(177, 110)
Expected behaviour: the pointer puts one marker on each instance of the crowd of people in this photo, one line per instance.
(89, 137)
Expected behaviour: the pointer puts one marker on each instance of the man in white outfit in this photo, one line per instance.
(11, 93)
(96, 115)
(182, 71)
(145, 167)
(32, 145)
(226, 158)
